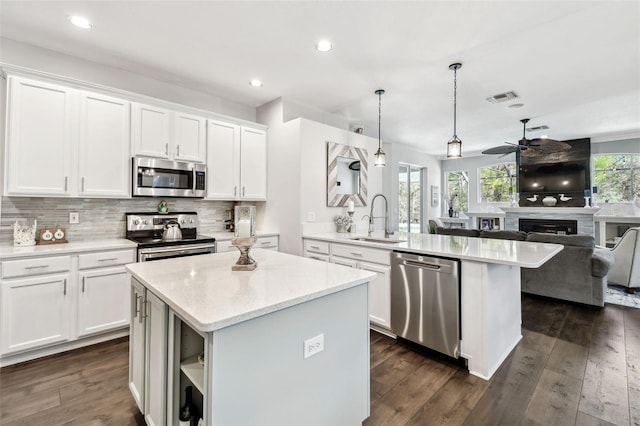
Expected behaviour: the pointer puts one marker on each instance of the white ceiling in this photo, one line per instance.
(574, 64)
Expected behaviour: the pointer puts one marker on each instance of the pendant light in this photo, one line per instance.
(379, 155)
(454, 146)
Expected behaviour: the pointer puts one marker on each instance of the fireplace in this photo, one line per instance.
(549, 226)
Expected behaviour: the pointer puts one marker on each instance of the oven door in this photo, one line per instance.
(160, 253)
(154, 177)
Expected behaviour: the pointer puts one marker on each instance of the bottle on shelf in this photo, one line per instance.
(188, 412)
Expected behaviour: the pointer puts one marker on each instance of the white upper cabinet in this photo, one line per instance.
(223, 160)
(236, 162)
(39, 145)
(66, 142)
(161, 133)
(190, 137)
(253, 164)
(104, 147)
(150, 131)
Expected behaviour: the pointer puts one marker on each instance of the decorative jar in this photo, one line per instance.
(549, 201)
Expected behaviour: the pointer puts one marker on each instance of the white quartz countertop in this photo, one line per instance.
(206, 293)
(518, 253)
(14, 252)
(226, 236)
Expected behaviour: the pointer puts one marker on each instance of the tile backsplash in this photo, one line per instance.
(101, 218)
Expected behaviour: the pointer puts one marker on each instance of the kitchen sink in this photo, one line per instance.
(378, 240)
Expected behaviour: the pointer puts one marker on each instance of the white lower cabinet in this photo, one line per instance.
(35, 312)
(148, 354)
(50, 304)
(370, 259)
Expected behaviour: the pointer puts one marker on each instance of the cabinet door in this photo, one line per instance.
(190, 143)
(253, 164)
(150, 131)
(379, 294)
(223, 161)
(104, 146)
(102, 300)
(39, 138)
(137, 343)
(35, 312)
(156, 361)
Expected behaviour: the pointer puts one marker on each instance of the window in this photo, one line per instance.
(498, 182)
(617, 176)
(457, 195)
(410, 198)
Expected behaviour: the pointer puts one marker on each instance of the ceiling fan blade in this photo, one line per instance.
(507, 149)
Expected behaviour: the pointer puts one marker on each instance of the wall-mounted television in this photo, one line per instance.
(559, 178)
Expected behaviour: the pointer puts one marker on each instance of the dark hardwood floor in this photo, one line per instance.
(574, 366)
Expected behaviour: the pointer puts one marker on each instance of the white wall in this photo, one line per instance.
(36, 58)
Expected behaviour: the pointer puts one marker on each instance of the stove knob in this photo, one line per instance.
(182, 221)
(136, 221)
(144, 222)
(190, 220)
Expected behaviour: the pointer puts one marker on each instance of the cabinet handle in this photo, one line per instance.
(355, 253)
(178, 151)
(108, 260)
(82, 184)
(264, 243)
(315, 247)
(83, 284)
(66, 183)
(235, 190)
(166, 149)
(243, 190)
(138, 308)
(64, 292)
(36, 267)
(144, 305)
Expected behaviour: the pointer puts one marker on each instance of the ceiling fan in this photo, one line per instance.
(529, 147)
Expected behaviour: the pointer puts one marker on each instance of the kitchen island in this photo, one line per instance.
(490, 311)
(287, 343)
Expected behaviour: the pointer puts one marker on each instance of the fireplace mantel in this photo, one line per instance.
(553, 210)
(583, 215)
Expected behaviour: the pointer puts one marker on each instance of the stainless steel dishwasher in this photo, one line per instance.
(425, 301)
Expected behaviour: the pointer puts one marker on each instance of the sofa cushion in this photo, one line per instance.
(602, 260)
(567, 240)
(458, 231)
(504, 235)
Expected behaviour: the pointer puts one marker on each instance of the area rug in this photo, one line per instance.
(617, 296)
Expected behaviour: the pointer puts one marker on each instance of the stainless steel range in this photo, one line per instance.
(164, 236)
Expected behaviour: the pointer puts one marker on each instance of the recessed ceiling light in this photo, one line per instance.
(514, 106)
(324, 46)
(255, 83)
(79, 22)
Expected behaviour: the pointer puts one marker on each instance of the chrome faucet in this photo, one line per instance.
(387, 233)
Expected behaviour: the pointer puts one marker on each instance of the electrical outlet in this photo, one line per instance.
(74, 217)
(313, 346)
(311, 216)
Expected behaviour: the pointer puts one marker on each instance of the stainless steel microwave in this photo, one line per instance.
(154, 177)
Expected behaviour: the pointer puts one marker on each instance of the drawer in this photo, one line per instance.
(362, 253)
(267, 242)
(316, 246)
(106, 258)
(35, 266)
(222, 246)
(317, 256)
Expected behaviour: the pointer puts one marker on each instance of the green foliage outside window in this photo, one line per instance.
(458, 190)
(409, 198)
(617, 177)
(498, 182)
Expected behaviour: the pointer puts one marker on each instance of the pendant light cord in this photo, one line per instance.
(455, 90)
(379, 117)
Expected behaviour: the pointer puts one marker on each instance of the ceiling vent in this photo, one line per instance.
(502, 97)
(535, 129)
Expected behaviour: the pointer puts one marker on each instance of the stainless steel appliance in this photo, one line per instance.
(154, 177)
(148, 229)
(425, 301)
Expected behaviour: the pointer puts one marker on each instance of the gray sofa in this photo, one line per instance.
(577, 274)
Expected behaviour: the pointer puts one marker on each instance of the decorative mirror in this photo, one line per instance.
(346, 175)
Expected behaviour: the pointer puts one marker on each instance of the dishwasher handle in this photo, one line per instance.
(436, 267)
